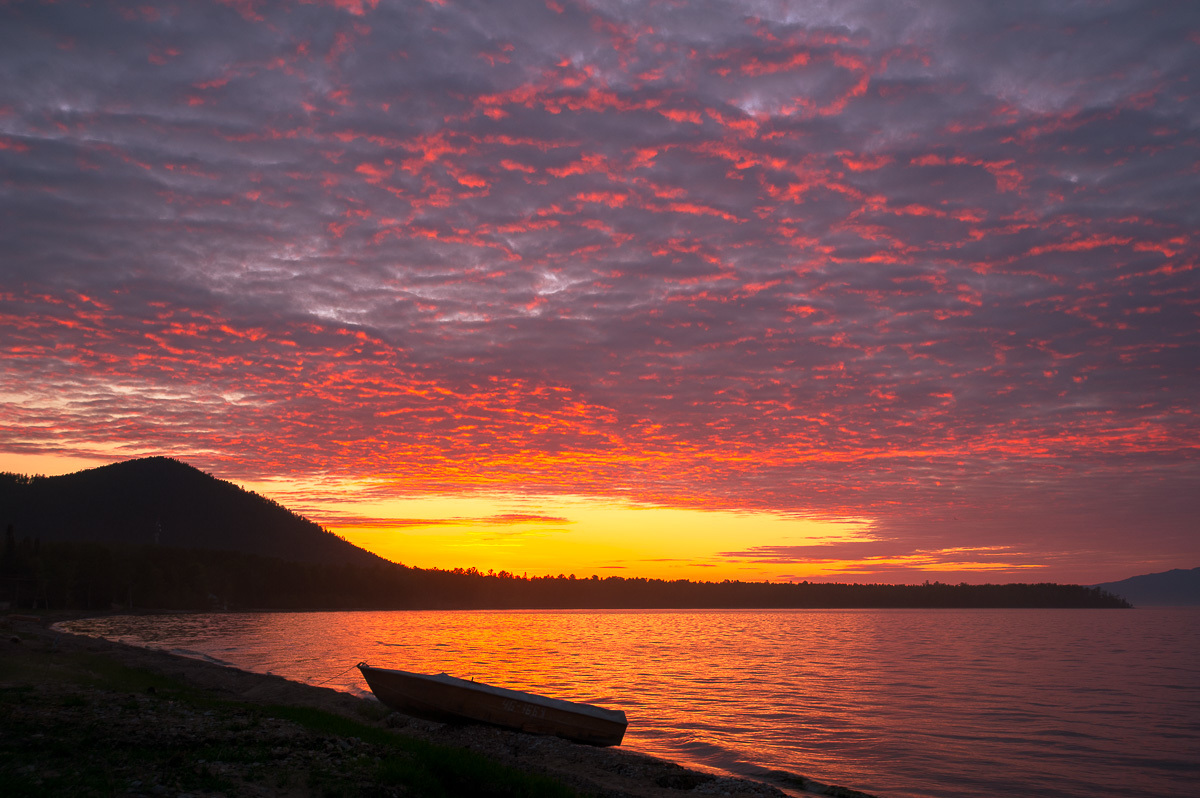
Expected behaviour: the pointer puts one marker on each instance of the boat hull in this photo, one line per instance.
(447, 699)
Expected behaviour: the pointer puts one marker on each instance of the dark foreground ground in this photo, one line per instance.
(87, 717)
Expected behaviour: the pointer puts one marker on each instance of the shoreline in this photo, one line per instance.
(607, 772)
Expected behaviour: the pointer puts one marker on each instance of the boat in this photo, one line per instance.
(448, 699)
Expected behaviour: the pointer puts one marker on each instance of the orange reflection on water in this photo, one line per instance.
(893, 702)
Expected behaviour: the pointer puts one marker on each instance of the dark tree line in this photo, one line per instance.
(91, 576)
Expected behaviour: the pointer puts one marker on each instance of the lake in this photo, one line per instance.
(897, 703)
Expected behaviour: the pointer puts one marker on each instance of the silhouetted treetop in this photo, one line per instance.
(162, 501)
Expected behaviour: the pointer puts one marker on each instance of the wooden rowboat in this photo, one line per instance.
(445, 698)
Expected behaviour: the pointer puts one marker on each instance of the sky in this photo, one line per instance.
(839, 291)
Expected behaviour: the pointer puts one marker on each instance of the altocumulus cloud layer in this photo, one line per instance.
(933, 263)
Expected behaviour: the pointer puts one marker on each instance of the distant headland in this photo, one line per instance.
(1176, 588)
(156, 533)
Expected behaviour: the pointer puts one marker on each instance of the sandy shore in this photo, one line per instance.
(31, 649)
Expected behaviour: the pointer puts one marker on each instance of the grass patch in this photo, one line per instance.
(426, 768)
(102, 672)
(79, 723)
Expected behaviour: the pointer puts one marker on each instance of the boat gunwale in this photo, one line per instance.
(561, 704)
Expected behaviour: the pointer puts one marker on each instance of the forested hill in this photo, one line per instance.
(159, 534)
(163, 502)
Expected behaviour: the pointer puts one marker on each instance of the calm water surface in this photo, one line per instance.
(894, 702)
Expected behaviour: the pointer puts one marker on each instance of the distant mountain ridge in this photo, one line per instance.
(1176, 588)
(162, 501)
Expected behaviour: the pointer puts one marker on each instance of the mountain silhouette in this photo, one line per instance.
(1177, 588)
(162, 501)
(158, 533)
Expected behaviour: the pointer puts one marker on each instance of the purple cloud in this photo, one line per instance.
(899, 261)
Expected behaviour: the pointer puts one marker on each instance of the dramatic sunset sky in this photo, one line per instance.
(854, 291)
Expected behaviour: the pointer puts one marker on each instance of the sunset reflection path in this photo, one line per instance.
(901, 703)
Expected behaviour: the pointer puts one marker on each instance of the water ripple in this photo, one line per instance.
(904, 704)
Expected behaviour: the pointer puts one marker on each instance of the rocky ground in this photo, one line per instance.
(85, 716)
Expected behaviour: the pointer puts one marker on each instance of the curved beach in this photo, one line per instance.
(296, 762)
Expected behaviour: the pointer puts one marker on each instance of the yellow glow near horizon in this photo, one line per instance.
(50, 465)
(534, 535)
(541, 535)
(550, 535)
